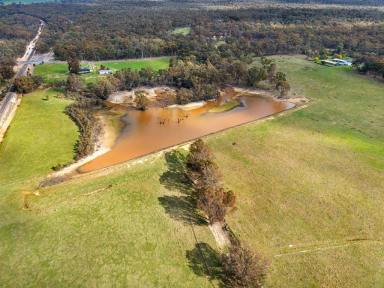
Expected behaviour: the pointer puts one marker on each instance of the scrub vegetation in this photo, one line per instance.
(315, 184)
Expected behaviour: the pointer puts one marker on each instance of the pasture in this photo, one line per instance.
(53, 72)
(309, 188)
(90, 232)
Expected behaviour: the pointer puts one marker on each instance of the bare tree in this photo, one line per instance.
(243, 268)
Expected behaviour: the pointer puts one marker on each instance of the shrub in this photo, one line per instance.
(73, 83)
(141, 101)
(26, 84)
(283, 87)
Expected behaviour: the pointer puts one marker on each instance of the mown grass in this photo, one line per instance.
(313, 179)
(55, 72)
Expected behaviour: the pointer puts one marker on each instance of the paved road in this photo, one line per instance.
(9, 103)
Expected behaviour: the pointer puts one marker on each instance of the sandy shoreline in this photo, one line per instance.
(189, 106)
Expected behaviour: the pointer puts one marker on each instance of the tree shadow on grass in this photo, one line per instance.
(174, 178)
(205, 261)
(182, 208)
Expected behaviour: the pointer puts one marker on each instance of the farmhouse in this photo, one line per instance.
(105, 72)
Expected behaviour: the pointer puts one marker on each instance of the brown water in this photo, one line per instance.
(160, 128)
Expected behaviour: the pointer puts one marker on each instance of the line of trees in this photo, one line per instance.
(82, 113)
(241, 267)
(206, 179)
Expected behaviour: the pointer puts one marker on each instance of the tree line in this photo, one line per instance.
(241, 266)
(82, 113)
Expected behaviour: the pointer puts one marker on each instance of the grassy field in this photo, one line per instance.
(313, 180)
(59, 71)
(78, 235)
(310, 180)
(26, 152)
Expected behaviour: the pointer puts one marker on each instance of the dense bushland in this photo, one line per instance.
(126, 29)
(15, 32)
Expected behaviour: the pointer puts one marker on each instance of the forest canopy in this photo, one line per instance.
(135, 29)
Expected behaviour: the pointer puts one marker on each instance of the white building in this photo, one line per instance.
(341, 62)
(105, 72)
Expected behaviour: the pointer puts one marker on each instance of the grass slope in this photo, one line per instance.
(76, 234)
(54, 72)
(312, 179)
(40, 137)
